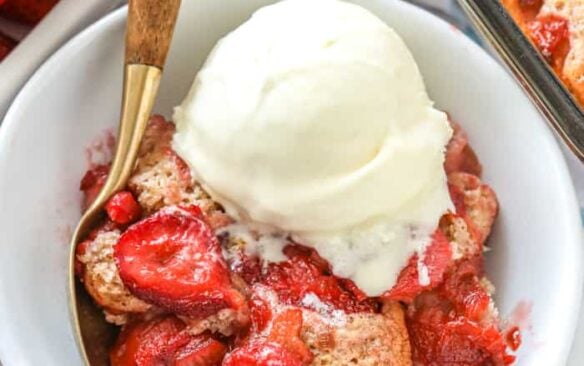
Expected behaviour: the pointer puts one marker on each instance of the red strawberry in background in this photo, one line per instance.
(6, 44)
(26, 11)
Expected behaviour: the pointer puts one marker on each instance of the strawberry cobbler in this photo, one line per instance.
(184, 290)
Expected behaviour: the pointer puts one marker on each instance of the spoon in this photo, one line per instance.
(544, 88)
(148, 36)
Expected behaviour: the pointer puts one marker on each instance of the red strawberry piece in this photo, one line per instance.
(303, 274)
(123, 209)
(285, 330)
(249, 268)
(261, 353)
(173, 260)
(353, 289)
(202, 350)
(460, 157)
(437, 258)
(437, 340)
(26, 11)
(92, 182)
(260, 314)
(449, 325)
(513, 338)
(310, 255)
(530, 6)
(551, 36)
(164, 341)
(464, 290)
(7, 44)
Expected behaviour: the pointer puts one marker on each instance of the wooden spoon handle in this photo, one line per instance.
(149, 31)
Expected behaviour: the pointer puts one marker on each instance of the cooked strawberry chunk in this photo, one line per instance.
(164, 341)
(513, 338)
(530, 5)
(285, 330)
(437, 258)
(201, 350)
(173, 260)
(551, 35)
(27, 11)
(453, 325)
(439, 341)
(273, 323)
(463, 288)
(261, 353)
(460, 157)
(305, 272)
(260, 314)
(123, 208)
(92, 182)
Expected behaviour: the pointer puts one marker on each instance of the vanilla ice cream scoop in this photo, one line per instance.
(312, 117)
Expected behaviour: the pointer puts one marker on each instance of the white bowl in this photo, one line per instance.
(67, 18)
(75, 96)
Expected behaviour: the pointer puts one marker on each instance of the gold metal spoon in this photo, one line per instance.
(148, 36)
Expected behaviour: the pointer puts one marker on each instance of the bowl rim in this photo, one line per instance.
(10, 127)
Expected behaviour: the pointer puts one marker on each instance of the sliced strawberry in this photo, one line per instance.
(306, 273)
(437, 340)
(164, 341)
(551, 35)
(460, 157)
(451, 325)
(437, 258)
(247, 267)
(202, 350)
(27, 11)
(285, 330)
(173, 260)
(123, 208)
(92, 182)
(464, 290)
(7, 44)
(261, 353)
(260, 314)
